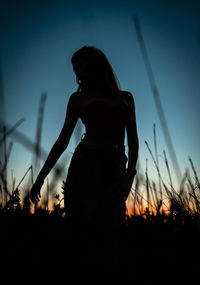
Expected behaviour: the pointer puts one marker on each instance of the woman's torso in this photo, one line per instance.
(104, 115)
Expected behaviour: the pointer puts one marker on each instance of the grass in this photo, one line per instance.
(160, 234)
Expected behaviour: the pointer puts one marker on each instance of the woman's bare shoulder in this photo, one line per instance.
(74, 102)
(127, 96)
(74, 99)
(75, 96)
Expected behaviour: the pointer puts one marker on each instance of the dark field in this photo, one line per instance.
(148, 247)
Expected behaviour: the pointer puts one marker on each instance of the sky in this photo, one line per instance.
(38, 38)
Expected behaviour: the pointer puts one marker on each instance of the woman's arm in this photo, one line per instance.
(58, 148)
(133, 143)
(131, 127)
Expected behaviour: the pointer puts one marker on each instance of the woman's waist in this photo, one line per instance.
(95, 141)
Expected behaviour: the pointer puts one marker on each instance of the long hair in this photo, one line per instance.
(101, 72)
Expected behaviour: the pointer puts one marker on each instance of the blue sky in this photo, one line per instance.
(38, 39)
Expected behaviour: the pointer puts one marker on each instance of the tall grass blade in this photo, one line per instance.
(195, 173)
(168, 170)
(24, 177)
(37, 146)
(12, 129)
(157, 100)
(156, 155)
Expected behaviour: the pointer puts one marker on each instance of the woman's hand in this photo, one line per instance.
(127, 183)
(35, 191)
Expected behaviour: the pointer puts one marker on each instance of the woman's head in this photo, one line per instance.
(93, 70)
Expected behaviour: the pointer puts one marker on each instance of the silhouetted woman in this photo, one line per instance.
(99, 177)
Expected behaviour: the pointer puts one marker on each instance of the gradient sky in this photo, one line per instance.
(38, 38)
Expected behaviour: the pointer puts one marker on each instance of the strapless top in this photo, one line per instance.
(103, 117)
